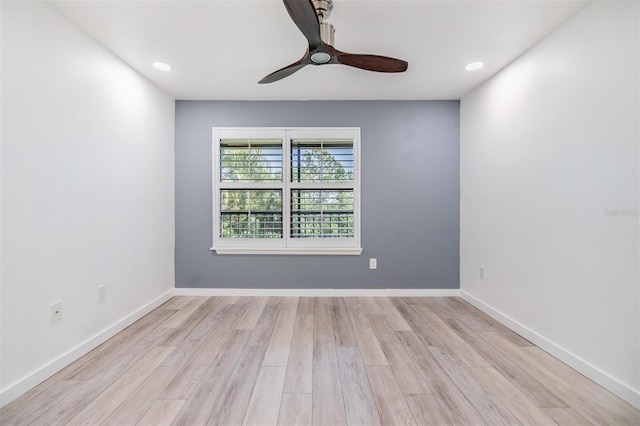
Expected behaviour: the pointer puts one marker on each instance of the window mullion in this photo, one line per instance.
(286, 189)
(251, 185)
(322, 185)
(321, 213)
(249, 227)
(217, 207)
(322, 164)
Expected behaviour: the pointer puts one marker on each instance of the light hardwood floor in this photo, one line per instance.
(321, 361)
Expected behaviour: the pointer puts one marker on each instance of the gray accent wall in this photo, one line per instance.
(410, 196)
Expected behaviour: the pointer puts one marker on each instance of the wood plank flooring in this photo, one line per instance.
(318, 361)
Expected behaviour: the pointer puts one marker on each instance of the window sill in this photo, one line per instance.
(343, 251)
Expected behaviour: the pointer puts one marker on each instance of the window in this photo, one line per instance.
(286, 191)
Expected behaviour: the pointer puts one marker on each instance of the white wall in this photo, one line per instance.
(549, 194)
(87, 193)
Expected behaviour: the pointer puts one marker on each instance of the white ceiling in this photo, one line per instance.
(220, 49)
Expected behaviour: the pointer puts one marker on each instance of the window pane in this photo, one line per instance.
(243, 160)
(251, 213)
(321, 213)
(321, 160)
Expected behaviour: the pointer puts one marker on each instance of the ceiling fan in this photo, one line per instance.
(310, 17)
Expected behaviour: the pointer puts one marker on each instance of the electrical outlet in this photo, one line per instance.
(482, 273)
(56, 311)
(373, 263)
(102, 293)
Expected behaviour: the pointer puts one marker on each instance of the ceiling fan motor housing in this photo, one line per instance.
(327, 33)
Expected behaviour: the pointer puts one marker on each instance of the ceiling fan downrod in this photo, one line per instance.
(323, 10)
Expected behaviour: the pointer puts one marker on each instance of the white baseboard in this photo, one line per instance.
(28, 382)
(592, 372)
(318, 292)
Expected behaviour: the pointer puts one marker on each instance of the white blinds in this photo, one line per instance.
(322, 213)
(251, 160)
(250, 213)
(321, 160)
(286, 190)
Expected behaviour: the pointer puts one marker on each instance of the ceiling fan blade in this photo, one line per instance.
(304, 16)
(286, 71)
(369, 62)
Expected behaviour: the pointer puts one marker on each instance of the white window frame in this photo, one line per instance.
(286, 245)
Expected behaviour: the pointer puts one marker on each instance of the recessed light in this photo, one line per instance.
(474, 66)
(161, 66)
